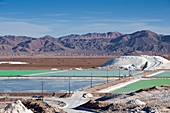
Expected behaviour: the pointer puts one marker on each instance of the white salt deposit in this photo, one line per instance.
(16, 107)
(87, 95)
(78, 68)
(136, 102)
(54, 69)
(138, 62)
(14, 62)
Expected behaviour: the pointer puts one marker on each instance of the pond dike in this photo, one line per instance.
(45, 94)
(56, 77)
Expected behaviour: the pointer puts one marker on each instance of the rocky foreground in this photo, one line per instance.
(31, 106)
(152, 100)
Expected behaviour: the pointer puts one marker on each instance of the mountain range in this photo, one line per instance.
(110, 43)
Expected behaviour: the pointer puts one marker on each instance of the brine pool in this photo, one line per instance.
(51, 85)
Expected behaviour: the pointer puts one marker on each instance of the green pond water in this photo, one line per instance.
(143, 84)
(65, 72)
(20, 72)
(164, 74)
(86, 73)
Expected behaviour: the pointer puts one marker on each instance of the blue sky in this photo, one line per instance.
(57, 18)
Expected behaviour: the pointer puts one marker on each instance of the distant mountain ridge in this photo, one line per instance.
(110, 43)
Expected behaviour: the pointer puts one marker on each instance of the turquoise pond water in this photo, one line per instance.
(86, 73)
(164, 74)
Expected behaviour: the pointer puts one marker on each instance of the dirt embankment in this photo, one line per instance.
(42, 62)
(30, 94)
(106, 85)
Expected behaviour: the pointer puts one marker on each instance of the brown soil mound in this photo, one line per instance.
(40, 107)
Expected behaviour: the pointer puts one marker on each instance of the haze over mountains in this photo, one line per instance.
(111, 43)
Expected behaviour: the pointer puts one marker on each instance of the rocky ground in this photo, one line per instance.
(155, 100)
(31, 106)
(149, 100)
(42, 107)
